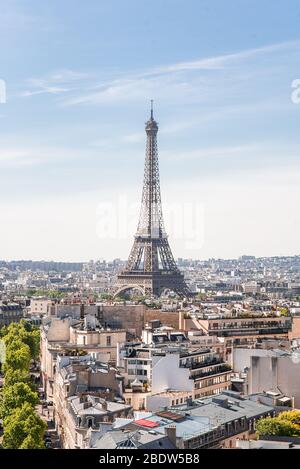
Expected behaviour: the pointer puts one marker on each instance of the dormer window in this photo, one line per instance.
(90, 422)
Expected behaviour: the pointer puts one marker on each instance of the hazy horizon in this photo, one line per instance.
(125, 259)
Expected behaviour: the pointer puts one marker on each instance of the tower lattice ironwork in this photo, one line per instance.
(151, 267)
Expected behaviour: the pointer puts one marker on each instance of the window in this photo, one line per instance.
(108, 341)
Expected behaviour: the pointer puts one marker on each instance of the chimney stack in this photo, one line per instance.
(170, 432)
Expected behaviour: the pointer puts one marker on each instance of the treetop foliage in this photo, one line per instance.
(23, 428)
(286, 424)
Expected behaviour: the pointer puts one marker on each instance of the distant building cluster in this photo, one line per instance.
(168, 372)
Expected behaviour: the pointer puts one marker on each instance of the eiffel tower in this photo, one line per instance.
(151, 267)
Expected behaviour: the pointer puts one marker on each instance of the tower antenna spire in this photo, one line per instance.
(152, 109)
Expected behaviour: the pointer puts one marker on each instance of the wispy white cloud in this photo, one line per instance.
(66, 75)
(61, 81)
(219, 62)
(18, 157)
(174, 80)
(44, 89)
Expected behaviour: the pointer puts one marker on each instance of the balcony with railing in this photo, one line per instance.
(202, 364)
(251, 331)
(216, 370)
(250, 328)
(250, 325)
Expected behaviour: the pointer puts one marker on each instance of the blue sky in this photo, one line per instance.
(79, 79)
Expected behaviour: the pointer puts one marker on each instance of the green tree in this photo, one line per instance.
(31, 292)
(32, 339)
(122, 297)
(30, 443)
(106, 296)
(138, 298)
(17, 356)
(284, 312)
(24, 429)
(14, 332)
(15, 396)
(3, 332)
(292, 416)
(47, 293)
(15, 376)
(26, 333)
(276, 427)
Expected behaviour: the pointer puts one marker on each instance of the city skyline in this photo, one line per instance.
(111, 260)
(72, 139)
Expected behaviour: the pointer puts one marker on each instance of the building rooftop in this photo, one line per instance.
(224, 409)
(205, 415)
(95, 406)
(120, 439)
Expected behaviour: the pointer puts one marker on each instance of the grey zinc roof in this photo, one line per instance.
(188, 427)
(113, 439)
(220, 415)
(93, 436)
(206, 415)
(238, 408)
(121, 422)
(96, 408)
(109, 440)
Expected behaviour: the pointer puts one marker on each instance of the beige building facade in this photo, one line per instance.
(71, 337)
